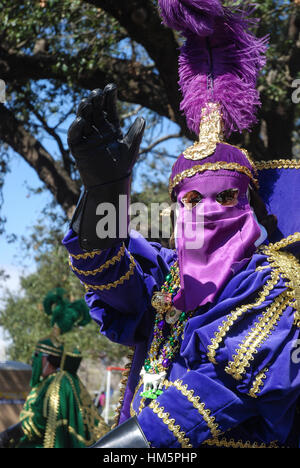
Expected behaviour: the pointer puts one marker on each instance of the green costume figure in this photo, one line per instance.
(58, 412)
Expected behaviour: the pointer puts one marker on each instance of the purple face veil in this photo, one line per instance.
(212, 241)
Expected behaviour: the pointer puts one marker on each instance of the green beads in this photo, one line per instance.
(182, 316)
(147, 365)
(151, 394)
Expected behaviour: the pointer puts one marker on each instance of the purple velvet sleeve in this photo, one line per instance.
(120, 283)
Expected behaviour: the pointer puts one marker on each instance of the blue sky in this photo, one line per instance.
(20, 207)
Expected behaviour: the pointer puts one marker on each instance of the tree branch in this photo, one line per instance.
(144, 25)
(136, 83)
(280, 116)
(65, 153)
(158, 141)
(50, 172)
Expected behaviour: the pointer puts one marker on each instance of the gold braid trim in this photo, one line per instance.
(71, 430)
(116, 283)
(224, 443)
(142, 405)
(258, 334)
(48, 393)
(112, 261)
(74, 391)
(142, 402)
(264, 267)
(180, 435)
(30, 400)
(86, 255)
(257, 383)
(123, 385)
(91, 418)
(278, 164)
(238, 312)
(79, 437)
(34, 429)
(289, 267)
(26, 414)
(49, 439)
(87, 410)
(195, 400)
(290, 240)
(211, 167)
(49, 350)
(27, 430)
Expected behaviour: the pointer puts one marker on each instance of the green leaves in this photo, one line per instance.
(23, 316)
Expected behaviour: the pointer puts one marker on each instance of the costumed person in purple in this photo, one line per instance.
(213, 322)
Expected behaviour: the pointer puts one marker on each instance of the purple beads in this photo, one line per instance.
(161, 324)
(166, 363)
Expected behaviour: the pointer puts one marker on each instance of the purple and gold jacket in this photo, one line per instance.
(236, 380)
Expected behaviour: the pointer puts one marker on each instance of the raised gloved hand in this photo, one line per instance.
(105, 160)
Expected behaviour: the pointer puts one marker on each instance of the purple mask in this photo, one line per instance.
(215, 236)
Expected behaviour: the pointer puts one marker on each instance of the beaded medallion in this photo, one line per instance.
(163, 347)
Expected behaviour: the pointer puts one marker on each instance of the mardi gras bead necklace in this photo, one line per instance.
(160, 357)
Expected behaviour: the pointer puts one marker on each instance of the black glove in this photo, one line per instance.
(11, 436)
(127, 435)
(105, 160)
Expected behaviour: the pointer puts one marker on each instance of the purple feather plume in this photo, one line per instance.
(196, 16)
(219, 62)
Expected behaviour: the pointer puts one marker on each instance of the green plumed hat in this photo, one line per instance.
(65, 314)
